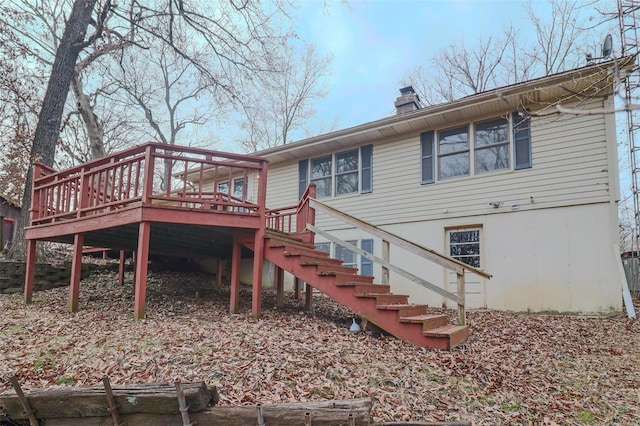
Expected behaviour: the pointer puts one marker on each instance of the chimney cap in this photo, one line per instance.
(407, 90)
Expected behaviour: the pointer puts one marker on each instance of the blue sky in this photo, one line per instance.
(375, 42)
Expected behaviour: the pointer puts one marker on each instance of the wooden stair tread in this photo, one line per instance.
(353, 283)
(371, 294)
(421, 318)
(446, 330)
(398, 306)
(312, 260)
(306, 252)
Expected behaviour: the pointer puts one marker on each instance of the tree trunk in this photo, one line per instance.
(95, 131)
(50, 117)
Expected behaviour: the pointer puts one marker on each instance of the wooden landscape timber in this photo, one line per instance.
(160, 405)
(88, 402)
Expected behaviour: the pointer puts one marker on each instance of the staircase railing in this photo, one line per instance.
(389, 238)
(293, 218)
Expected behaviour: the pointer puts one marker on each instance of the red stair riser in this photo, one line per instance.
(310, 260)
(336, 268)
(301, 251)
(412, 311)
(346, 278)
(386, 299)
(372, 288)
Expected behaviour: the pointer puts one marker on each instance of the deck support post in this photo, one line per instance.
(76, 270)
(236, 254)
(144, 233)
(258, 264)
(308, 299)
(30, 273)
(123, 258)
(134, 260)
(279, 284)
(296, 288)
(219, 273)
(258, 244)
(462, 317)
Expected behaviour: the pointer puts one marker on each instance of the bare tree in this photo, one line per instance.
(461, 70)
(281, 103)
(50, 116)
(240, 40)
(19, 106)
(42, 36)
(558, 37)
(165, 89)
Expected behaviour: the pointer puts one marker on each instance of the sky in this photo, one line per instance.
(376, 42)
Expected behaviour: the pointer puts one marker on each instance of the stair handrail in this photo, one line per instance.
(281, 219)
(452, 264)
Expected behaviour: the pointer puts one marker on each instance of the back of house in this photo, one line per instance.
(521, 181)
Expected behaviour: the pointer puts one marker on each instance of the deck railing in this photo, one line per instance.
(151, 174)
(293, 218)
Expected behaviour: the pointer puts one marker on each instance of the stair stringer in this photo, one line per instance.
(365, 307)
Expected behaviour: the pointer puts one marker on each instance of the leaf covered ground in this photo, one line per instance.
(515, 368)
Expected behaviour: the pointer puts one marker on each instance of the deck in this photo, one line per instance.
(151, 199)
(186, 202)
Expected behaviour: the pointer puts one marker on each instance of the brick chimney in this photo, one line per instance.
(408, 101)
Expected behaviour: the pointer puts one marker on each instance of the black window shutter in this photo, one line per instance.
(303, 173)
(366, 176)
(522, 141)
(427, 157)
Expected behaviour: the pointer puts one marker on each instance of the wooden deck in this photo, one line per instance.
(154, 198)
(178, 201)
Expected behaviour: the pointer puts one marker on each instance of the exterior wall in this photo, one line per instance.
(549, 244)
(558, 259)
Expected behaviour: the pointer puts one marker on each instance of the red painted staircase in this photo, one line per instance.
(374, 302)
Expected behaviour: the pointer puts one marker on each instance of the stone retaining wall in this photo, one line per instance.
(47, 276)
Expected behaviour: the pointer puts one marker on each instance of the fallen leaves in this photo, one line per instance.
(515, 369)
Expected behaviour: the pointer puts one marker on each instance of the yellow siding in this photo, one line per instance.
(569, 168)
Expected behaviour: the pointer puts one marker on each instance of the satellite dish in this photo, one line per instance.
(607, 46)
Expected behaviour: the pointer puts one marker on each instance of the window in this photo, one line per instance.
(321, 176)
(303, 182)
(238, 188)
(366, 265)
(347, 256)
(347, 172)
(492, 145)
(453, 153)
(342, 173)
(325, 247)
(477, 148)
(465, 246)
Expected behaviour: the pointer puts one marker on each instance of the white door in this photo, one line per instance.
(465, 245)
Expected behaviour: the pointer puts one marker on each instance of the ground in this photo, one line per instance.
(515, 368)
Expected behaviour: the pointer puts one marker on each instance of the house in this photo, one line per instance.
(500, 180)
(9, 214)
(506, 199)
